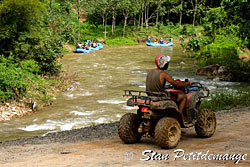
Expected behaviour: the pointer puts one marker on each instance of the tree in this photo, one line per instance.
(78, 14)
(238, 14)
(128, 7)
(29, 32)
(177, 8)
(60, 19)
(196, 4)
(19, 25)
(172, 6)
(181, 9)
(114, 10)
(215, 19)
(101, 9)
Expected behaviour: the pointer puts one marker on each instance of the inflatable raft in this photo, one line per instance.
(81, 50)
(158, 44)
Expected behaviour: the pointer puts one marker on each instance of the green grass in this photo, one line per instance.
(227, 100)
(120, 41)
(133, 34)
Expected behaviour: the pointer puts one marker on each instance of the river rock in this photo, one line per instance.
(12, 110)
(100, 40)
(215, 72)
(209, 70)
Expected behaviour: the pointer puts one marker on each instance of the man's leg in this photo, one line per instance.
(182, 98)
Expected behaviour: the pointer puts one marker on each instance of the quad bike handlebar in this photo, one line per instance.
(195, 86)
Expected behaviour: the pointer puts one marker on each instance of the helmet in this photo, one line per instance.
(161, 61)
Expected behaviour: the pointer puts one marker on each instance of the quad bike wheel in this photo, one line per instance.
(128, 128)
(167, 132)
(206, 123)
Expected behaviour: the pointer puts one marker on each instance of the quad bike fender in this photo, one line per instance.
(171, 109)
(193, 98)
(161, 105)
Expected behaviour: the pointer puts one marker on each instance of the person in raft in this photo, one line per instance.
(78, 45)
(156, 40)
(157, 78)
(86, 46)
(94, 44)
(161, 41)
(169, 40)
(149, 39)
(89, 43)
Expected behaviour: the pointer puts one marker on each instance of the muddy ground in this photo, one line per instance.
(100, 146)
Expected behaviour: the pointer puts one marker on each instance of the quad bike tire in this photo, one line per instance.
(167, 132)
(206, 123)
(128, 128)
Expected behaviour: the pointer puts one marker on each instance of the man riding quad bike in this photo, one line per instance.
(160, 117)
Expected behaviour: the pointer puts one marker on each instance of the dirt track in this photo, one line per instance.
(231, 137)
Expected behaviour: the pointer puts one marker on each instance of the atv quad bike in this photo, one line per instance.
(159, 117)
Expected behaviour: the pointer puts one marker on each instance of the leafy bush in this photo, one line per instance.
(195, 44)
(46, 55)
(27, 32)
(19, 22)
(222, 51)
(170, 29)
(30, 66)
(214, 20)
(12, 82)
(188, 31)
(19, 82)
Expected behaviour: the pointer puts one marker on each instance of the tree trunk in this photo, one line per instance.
(157, 12)
(50, 5)
(134, 20)
(211, 4)
(168, 14)
(146, 16)
(142, 14)
(103, 22)
(125, 24)
(181, 12)
(157, 17)
(139, 21)
(78, 12)
(194, 18)
(113, 24)
(194, 5)
(105, 32)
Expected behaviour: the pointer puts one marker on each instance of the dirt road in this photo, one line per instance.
(231, 137)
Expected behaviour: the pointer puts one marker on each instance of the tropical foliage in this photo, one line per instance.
(33, 32)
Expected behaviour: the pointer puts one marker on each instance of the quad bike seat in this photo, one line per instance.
(152, 100)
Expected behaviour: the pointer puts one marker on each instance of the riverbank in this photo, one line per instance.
(100, 146)
(35, 101)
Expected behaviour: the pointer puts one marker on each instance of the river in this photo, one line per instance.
(98, 94)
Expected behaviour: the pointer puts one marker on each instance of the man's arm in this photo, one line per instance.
(166, 77)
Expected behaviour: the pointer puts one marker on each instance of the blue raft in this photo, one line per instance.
(158, 44)
(81, 50)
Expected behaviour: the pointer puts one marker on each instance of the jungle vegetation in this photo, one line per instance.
(33, 33)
